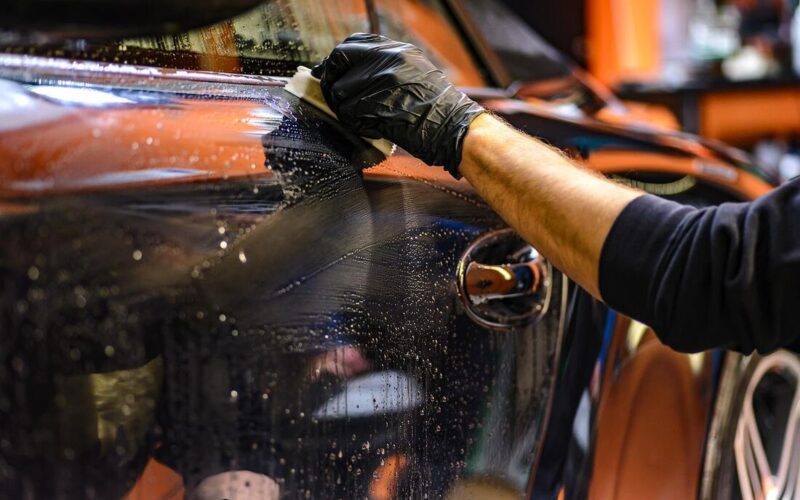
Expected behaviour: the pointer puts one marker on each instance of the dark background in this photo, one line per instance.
(561, 23)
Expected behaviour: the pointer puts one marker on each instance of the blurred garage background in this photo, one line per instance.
(715, 65)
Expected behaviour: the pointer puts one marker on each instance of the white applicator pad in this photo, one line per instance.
(307, 88)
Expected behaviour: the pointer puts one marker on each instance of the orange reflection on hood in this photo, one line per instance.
(88, 148)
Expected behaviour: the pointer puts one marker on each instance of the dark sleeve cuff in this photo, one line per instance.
(632, 254)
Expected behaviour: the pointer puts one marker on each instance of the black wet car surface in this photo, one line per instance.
(202, 271)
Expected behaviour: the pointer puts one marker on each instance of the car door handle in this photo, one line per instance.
(503, 282)
(488, 282)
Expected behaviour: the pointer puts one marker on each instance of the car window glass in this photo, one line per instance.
(271, 39)
(426, 24)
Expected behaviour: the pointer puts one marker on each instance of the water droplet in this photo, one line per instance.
(137, 255)
(242, 257)
(223, 244)
(109, 350)
(33, 273)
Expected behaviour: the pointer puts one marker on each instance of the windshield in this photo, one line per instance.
(279, 35)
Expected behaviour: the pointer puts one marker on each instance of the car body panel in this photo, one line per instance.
(265, 308)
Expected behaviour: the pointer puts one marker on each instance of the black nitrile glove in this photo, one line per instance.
(382, 88)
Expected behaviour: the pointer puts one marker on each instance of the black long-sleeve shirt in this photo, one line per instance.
(725, 276)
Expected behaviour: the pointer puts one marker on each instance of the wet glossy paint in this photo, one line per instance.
(297, 320)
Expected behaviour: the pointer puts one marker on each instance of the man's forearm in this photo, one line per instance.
(564, 211)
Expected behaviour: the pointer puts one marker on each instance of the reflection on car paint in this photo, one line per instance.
(299, 328)
(70, 148)
(78, 96)
(373, 394)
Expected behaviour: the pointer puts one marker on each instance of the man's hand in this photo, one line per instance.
(383, 88)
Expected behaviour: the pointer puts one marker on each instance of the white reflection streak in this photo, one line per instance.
(373, 394)
(79, 95)
(18, 109)
(148, 175)
(263, 121)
